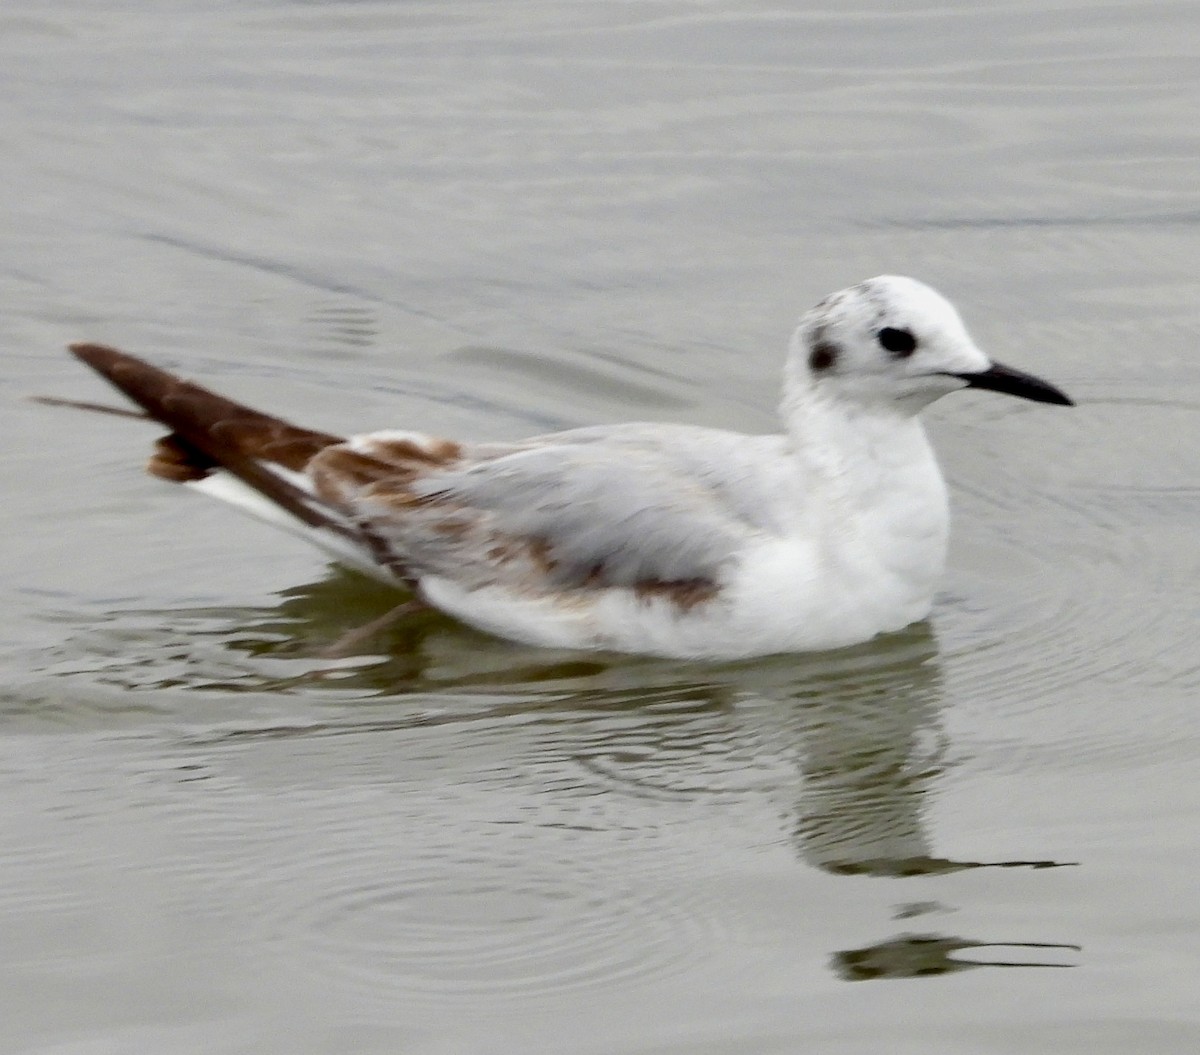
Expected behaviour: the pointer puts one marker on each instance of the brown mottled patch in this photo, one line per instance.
(395, 493)
(456, 529)
(533, 555)
(272, 440)
(175, 461)
(338, 468)
(542, 556)
(505, 551)
(684, 593)
(383, 473)
(437, 452)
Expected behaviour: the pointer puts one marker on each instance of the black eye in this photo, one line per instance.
(901, 343)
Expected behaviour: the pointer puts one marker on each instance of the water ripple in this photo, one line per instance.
(444, 925)
(1070, 578)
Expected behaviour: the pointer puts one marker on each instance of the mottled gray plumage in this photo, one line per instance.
(619, 505)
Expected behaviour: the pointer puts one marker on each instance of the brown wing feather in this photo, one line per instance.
(210, 431)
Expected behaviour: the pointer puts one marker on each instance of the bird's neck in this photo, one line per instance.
(882, 486)
(850, 442)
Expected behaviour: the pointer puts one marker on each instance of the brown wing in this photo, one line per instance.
(209, 431)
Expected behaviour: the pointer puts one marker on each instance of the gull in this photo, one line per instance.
(655, 539)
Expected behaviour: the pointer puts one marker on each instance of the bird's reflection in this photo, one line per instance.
(923, 956)
(870, 748)
(853, 739)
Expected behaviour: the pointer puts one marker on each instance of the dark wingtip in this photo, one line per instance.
(210, 431)
(100, 357)
(92, 353)
(135, 378)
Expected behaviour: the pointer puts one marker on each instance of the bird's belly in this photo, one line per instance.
(781, 596)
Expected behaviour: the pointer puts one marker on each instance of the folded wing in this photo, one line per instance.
(586, 508)
(660, 510)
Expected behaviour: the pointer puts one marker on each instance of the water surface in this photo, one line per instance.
(978, 835)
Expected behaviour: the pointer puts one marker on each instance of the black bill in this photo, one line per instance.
(1001, 378)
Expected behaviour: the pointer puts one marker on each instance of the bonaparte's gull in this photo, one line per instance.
(658, 539)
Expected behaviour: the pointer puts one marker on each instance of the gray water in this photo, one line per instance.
(481, 219)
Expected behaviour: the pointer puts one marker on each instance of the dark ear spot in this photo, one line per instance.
(823, 356)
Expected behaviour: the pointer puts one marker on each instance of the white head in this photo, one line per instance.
(893, 343)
